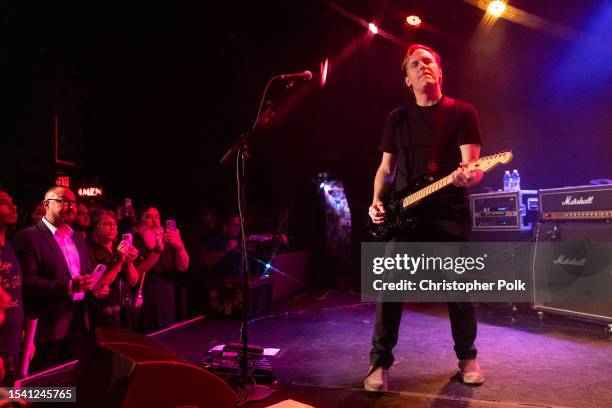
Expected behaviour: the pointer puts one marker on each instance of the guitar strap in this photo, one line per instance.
(407, 140)
(439, 116)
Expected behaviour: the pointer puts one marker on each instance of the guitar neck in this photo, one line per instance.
(427, 191)
(484, 164)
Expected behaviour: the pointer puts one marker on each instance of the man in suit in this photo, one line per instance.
(56, 267)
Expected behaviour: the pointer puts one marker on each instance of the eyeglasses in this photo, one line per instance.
(64, 201)
(109, 224)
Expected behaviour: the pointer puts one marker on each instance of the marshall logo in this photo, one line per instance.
(569, 200)
(563, 260)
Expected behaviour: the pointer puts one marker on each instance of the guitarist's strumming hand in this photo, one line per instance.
(377, 212)
(463, 177)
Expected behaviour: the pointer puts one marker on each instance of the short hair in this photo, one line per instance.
(411, 49)
(54, 190)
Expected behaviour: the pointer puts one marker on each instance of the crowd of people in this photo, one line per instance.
(75, 266)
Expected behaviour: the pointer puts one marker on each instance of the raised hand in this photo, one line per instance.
(173, 238)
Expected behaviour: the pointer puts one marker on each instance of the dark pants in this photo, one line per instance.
(51, 353)
(12, 363)
(389, 314)
(159, 303)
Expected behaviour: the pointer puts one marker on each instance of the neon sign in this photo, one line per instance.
(89, 191)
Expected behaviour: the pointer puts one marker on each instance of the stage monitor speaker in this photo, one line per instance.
(126, 369)
(573, 237)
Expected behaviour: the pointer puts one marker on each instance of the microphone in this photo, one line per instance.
(306, 75)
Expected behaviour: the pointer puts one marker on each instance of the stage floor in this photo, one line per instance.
(324, 341)
(324, 338)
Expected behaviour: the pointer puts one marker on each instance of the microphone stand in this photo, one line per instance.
(247, 392)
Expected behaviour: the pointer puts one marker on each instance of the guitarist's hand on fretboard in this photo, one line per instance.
(463, 177)
(377, 212)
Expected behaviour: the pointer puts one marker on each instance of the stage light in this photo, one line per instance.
(413, 21)
(373, 28)
(321, 185)
(324, 68)
(268, 266)
(496, 8)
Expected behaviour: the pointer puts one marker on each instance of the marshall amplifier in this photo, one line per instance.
(591, 202)
(504, 210)
(575, 255)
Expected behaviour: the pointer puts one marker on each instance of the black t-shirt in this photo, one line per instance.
(231, 263)
(164, 267)
(10, 280)
(426, 140)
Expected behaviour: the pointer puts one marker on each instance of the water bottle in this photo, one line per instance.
(507, 180)
(515, 180)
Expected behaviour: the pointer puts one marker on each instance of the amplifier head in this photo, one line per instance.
(580, 203)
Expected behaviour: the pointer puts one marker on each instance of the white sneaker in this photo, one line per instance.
(470, 372)
(377, 380)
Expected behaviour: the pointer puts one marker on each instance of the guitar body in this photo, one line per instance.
(397, 217)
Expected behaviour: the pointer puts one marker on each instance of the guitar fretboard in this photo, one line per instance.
(484, 164)
(426, 191)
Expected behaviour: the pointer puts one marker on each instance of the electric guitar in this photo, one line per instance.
(398, 213)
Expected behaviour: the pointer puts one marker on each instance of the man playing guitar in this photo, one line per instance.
(427, 137)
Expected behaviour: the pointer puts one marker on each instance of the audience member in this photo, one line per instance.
(161, 255)
(11, 306)
(111, 292)
(222, 252)
(223, 261)
(82, 220)
(56, 266)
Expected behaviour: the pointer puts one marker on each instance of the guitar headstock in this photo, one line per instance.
(488, 163)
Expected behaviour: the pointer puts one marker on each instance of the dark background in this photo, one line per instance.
(151, 95)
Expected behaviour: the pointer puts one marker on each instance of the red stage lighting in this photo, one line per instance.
(372, 27)
(413, 21)
(324, 68)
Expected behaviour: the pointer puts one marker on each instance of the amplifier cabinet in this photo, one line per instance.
(573, 256)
